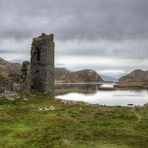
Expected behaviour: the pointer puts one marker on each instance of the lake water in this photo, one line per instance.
(101, 94)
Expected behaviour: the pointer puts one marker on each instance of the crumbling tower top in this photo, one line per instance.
(42, 39)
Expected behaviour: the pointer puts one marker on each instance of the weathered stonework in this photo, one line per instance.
(42, 64)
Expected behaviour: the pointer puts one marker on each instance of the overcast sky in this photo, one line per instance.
(110, 36)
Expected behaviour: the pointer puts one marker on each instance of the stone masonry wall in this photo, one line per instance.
(42, 64)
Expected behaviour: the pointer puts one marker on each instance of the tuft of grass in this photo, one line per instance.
(70, 126)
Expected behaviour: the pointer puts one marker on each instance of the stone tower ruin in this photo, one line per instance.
(42, 64)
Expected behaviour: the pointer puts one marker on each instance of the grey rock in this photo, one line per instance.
(9, 95)
(16, 87)
(45, 109)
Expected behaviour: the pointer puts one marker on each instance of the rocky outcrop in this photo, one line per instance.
(136, 78)
(86, 75)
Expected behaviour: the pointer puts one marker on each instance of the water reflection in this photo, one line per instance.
(76, 87)
(97, 94)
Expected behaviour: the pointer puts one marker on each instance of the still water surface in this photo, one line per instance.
(94, 94)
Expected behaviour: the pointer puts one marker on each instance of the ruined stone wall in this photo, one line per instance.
(42, 64)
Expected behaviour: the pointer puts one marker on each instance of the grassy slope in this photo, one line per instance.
(70, 126)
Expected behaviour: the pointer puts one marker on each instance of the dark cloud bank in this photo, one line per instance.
(102, 34)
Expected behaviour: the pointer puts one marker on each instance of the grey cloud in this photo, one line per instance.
(129, 66)
(128, 49)
(4, 51)
(70, 19)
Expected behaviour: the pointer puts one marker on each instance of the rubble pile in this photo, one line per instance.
(9, 95)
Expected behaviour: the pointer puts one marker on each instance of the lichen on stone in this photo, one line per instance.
(44, 37)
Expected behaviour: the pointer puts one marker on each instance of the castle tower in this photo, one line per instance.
(42, 64)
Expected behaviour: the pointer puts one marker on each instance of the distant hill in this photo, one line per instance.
(86, 75)
(7, 68)
(107, 78)
(137, 78)
(61, 74)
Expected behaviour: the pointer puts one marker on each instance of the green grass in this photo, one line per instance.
(22, 125)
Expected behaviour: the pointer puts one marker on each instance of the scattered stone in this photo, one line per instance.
(9, 95)
(51, 108)
(41, 109)
(81, 109)
(45, 109)
(25, 99)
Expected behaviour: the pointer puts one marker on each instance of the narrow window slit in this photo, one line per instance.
(38, 54)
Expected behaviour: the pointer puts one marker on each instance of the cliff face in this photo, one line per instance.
(135, 78)
(86, 75)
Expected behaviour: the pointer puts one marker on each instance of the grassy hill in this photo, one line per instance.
(7, 68)
(70, 125)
